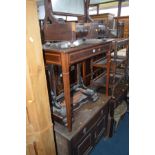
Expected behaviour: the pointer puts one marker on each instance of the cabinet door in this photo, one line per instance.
(99, 130)
(84, 147)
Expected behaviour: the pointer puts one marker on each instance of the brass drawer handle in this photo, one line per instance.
(94, 50)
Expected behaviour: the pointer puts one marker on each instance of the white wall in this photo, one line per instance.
(41, 12)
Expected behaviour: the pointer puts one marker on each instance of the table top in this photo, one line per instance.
(90, 43)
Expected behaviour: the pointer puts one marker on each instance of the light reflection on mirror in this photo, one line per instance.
(68, 6)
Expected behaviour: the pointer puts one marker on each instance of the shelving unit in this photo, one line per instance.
(104, 78)
(113, 64)
(100, 81)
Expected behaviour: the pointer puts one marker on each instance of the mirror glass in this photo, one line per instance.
(68, 6)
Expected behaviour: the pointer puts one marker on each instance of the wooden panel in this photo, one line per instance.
(39, 132)
(90, 125)
(63, 143)
(125, 20)
(52, 58)
(101, 16)
(66, 31)
(107, 19)
(85, 146)
(100, 127)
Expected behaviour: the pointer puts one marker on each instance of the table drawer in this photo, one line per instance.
(85, 54)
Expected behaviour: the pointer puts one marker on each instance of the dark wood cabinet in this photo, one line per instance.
(89, 126)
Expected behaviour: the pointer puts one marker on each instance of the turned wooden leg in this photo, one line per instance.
(91, 69)
(78, 73)
(114, 76)
(66, 83)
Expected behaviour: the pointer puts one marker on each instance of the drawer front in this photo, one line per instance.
(105, 48)
(100, 128)
(85, 54)
(52, 58)
(88, 127)
(84, 147)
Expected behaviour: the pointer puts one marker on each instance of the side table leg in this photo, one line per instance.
(66, 83)
(84, 71)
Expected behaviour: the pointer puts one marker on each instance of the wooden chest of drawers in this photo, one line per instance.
(89, 126)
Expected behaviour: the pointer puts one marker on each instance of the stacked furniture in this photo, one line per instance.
(120, 79)
(118, 76)
(87, 124)
(81, 114)
(118, 61)
(106, 18)
(70, 56)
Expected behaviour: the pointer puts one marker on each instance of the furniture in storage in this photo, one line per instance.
(68, 57)
(125, 21)
(90, 125)
(120, 94)
(119, 62)
(118, 65)
(118, 81)
(106, 18)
